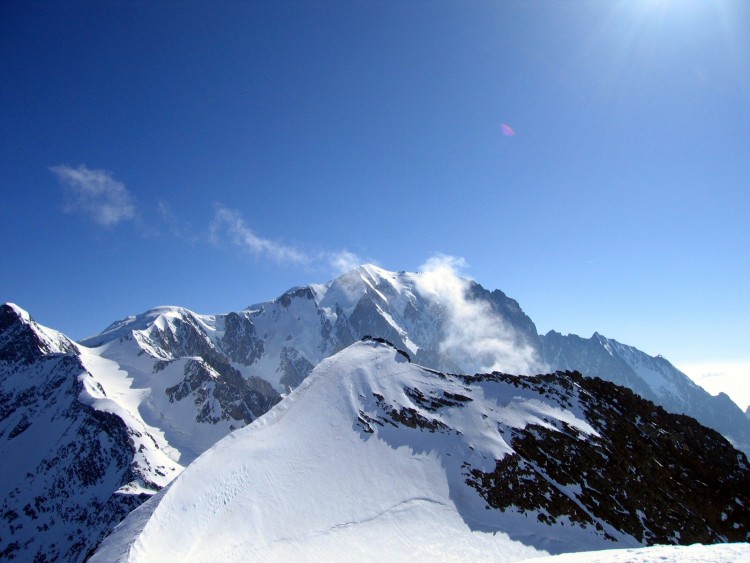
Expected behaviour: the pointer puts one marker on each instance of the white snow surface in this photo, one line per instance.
(138, 390)
(109, 388)
(305, 482)
(729, 553)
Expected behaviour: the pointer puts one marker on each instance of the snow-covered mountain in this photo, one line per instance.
(450, 324)
(87, 434)
(160, 388)
(444, 322)
(376, 458)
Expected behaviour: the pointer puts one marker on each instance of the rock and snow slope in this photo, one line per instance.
(652, 377)
(75, 461)
(376, 458)
(88, 434)
(453, 326)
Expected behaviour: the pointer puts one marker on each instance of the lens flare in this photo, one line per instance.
(507, 130)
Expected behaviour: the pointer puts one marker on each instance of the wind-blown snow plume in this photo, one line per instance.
(343, 261)
(475, 337)
(96, 194)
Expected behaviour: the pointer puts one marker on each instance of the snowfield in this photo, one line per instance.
(729, 553)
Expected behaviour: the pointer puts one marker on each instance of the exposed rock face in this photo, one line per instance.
(293, 367)
(222, 396)
(652, 377)
(22, 341)
(69, 498)
(240, 342)
(658, 477)
(510, 311)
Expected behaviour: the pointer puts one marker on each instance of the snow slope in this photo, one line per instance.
(375, 458)
(301, 483)
(720, 553)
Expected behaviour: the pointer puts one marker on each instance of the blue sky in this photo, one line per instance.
(589, 158)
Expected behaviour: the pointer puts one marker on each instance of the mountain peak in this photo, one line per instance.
(13, 309)
(23, 340)
(157, 316)
(375, 271)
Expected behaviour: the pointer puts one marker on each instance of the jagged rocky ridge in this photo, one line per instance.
(442, 463)
(652, 377)
(658, 477)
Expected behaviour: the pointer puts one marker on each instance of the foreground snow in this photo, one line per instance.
(731, 552)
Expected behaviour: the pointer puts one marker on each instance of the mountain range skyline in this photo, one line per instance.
(475, 334)
(445, 321)
(350, 279)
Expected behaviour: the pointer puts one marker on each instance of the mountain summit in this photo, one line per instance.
(441, 320)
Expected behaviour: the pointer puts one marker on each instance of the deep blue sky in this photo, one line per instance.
(212, 155)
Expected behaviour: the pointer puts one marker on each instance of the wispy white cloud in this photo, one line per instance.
(95, 193)
(230, 224)
(475, 336)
